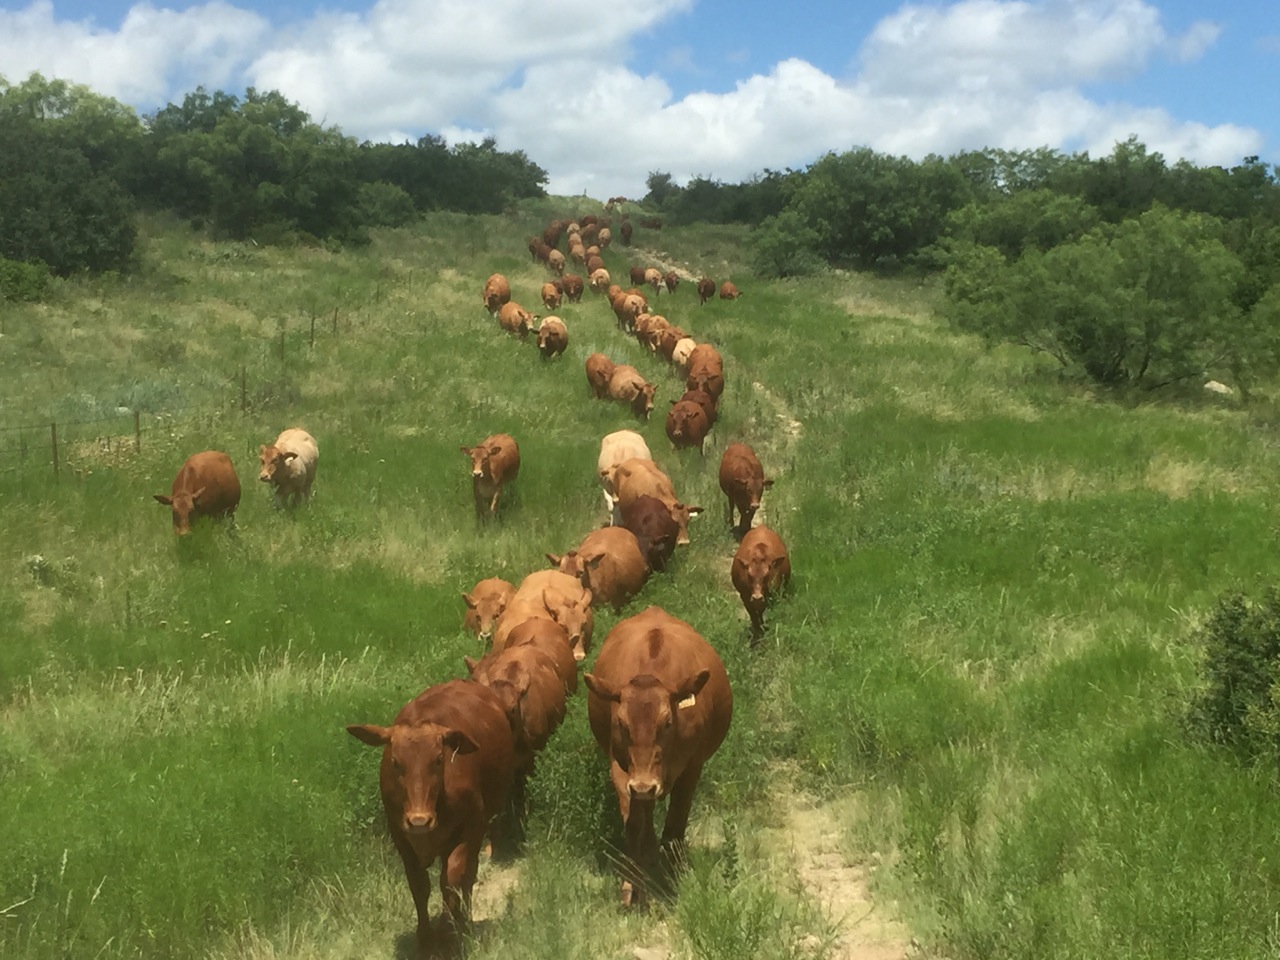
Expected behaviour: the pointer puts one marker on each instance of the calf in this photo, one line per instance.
(671, 280)
(572, 287)
(743, 481)
(485, 604)
(550, 595)
(728, 291)
(759, 571)
(653, 277)
(494, 462)
(659, 706)
(637, 276)
(289, 465)
(205, 486)
(448, 761)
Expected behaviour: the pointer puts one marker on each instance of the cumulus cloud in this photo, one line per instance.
(933, 78)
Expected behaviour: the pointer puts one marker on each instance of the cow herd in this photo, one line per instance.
(456, 758)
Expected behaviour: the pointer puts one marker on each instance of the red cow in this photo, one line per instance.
(514, 318)
(637, 478)
(497, 291)
(599, 373)
(704, 400)
(626, 230)
(550, 595)
(660, 705)
(656, 533)
(553, 337)
(551, 296)
(448, 760)
(728, 291)
(743, 481)
(610, 564)
(706, 290)
(485, 604)
(627, 384)
(553, 640)
(687, 425)
(760, 570)
(206, 486)
(572, 287)
(494, 462)
(672, 280)
(637, 276)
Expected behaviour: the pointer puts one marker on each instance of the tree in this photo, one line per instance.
(785, 246)
(1028, 218)
(661, 186)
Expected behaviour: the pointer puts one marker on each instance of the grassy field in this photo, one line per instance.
(979, 674)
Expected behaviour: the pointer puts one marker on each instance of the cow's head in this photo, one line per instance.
(412, 774)
(642, 404)
(644, 727)
(483, 611)
(480, 455)
(758, 569)
(682, 514)
(576, 617)
(184, 507)
(273, 462)
(750, 488)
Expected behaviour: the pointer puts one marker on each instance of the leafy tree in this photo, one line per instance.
(785, 246)
(1125, 184)
(1145, 302)
(384, 204)
(660, 186)
(1039, 219)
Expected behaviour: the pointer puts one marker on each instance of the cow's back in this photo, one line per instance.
(212, 472)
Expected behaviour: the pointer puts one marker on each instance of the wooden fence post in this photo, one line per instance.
(244, 398)
(53, 442)
(281, 347)
(335, 321)
(313, 331)
(137, 432)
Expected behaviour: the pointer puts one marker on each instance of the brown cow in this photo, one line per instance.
(614, 449)
(550, 595)
(604, 237)
(760, 570)
(555, 260)
(626, 308)
(728, 291)
(637, 478)
(599, 373)
(551, 296)
(653, 277)
(637, 276)
(289, 465)
(671, 280)
(553, 640)
(626, 384)
(610, 564)
(594, 262)
(687, 425)
(206, 486)
(573, 287)
(659, 706)
(705, 401)
(706, 290)
(447, 767)
(553, 337)
(667, 340)
(656, 533)
(494, 461)
(599, 279)
(680, 353)
(743, 481)
(626, 230)
(485, 604)
(497, 291)
(514, 318)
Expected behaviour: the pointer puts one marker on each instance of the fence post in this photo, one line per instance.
(335, 321)
(244, 397)
(313, 331)
(53, 442)
(282, 347)
(137, 432)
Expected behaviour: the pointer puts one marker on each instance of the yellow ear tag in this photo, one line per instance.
(687, 702)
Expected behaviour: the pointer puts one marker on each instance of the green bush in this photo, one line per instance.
(1238, 704)
(785, 246)
(21, 280)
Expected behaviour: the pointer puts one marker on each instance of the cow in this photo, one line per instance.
(671, 280)
(637, 478)
(289, 465)
(594, 262)
(680, 353)
(728, 291)
(514, 318)
(553, 640)
(687, 425)
(553, 337)
(759, 571)
(599, 373)
(627, 308)
(706, 290)
(626, 384)
(533, 699)
(604, 237)
(551, 296)
(667, 340)
(708, 381)
(614, 449)
(659, 704)
(599, 279)
(653, 277)
(205, 486)
(551, 235)
(743, 481)
(485, 604)
(550, 595)
(555, 260)
(495, 461)
(610, 564)
(573, 287)
(497, 291)
(705, 401)
(637, 276)
(656, 533)
(448, 761)
(626, 230)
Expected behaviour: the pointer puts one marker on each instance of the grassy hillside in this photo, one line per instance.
(981, 664)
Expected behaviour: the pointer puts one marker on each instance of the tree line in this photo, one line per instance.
(77, 165)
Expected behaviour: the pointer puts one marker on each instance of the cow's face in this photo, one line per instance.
(643, 402)
(759, 570)
(577, 619)
(184, 508)
(273, 462)
(483, 612)
(480, 455)
(413, 761)
(682, 514)
(644, 727)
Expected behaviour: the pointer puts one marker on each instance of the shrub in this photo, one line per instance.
(21, 280)
(785, 246)
(1238, 704)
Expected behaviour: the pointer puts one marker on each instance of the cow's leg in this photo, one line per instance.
(419, 889)
(458, 876)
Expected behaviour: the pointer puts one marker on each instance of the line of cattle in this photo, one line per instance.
(456, 758)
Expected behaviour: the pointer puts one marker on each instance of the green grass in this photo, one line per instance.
(996, 571)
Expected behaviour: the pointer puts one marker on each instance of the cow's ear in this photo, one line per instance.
(161, 498)
(290, 456)
(374, 736)
(195, 497)
(693, 686)
(495, 450)
(601, 688)
(459, 742)
(586, 598)
(471, 663)
(262, 450)
(555, 561)
(769, 482)
(592, 560)
(465, 450)
(694, 511)
(467, 599)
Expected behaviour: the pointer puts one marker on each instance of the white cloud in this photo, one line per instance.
(933, 78)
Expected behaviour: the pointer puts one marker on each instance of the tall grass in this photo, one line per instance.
(995, 573)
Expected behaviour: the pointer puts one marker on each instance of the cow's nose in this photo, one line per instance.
(643, 789)
(477, 473)
(579, 655)
(420, 821)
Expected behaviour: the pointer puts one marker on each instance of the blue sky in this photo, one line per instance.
(601, 94)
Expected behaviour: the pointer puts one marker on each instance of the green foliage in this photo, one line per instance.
(1238, 703)
(661, 186)
(23, 281)
(384, 204)
(784, 246)
(1012, 223)
(1147, 302)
